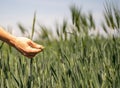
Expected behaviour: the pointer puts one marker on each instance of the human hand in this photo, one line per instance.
(27, 47)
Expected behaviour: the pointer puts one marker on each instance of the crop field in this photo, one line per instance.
(71, 59)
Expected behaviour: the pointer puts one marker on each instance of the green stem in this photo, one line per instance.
(31, 60)
(30, 73)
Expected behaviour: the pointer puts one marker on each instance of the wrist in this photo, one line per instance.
(12, 40)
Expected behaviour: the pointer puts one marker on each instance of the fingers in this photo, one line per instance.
(31, 52)
(35, 45)
(32, 49)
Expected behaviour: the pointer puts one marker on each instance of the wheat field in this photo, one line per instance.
(71, 59)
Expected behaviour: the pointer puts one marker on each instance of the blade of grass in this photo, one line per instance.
(1, 45)
(31, 60)
(33, 26)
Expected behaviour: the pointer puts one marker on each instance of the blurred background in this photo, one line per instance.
(14, 12)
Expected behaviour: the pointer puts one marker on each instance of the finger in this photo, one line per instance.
(33, 50)
(35, 45)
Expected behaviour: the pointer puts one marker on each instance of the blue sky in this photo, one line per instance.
(13, 12)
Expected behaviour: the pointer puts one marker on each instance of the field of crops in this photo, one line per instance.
(72, 59)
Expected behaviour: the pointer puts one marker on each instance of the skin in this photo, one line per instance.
(24, 45)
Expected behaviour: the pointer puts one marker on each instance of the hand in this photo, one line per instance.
(27, 47)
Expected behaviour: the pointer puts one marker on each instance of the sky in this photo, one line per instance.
(48, 12)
